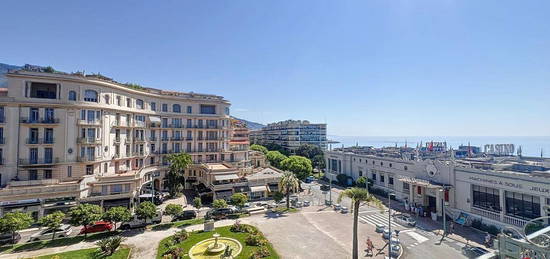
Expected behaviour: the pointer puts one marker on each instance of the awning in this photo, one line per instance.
(262, 188)
(226, 177)
(154, 119)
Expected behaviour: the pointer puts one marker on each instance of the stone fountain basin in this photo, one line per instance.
(200, 249)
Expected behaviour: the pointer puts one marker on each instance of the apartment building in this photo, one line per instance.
(499, 190)
(291, 134)
(72, 138)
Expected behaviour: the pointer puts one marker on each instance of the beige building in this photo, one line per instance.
(291, 134)
(72, 138)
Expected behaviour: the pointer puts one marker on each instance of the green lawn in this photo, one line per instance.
(54, 243)
(91, 253)
(195, 237)
(285, 210)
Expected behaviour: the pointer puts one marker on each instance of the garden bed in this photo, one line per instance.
(195, 237)
(90, 253)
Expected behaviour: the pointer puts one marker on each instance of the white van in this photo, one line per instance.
(140, 223)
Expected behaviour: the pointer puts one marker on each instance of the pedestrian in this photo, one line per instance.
(451, 228)
(370, 247)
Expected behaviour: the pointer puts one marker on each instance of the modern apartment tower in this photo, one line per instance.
(290, 134)
(74, 138)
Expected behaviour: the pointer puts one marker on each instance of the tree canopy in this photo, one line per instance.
(219, 203)
(178, 163)
(299, 165)
(197, 202)
(313, 153)
(117, 214)
(260, 148)
(173, 209)
(146, 210)
(275, 158)
(239, 199)
(14, 221)
(288, 184)
(85, 214)
(52, 221)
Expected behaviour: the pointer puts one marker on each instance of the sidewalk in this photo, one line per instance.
(465, 235)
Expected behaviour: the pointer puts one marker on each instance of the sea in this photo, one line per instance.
(530, 146)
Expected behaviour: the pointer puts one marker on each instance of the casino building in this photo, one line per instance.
(498, 189)
(73, 138)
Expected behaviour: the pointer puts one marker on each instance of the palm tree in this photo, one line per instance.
(357, 196)
(178, 163)
(288, 183)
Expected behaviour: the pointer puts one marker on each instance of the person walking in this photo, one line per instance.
(451, 228)
(370, 247)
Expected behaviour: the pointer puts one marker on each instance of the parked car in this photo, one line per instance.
(99, 226)
(186, 214)
(325, 188)
(47, 234)
(473, 251)
(298, 204)
(344, 210)
(386, 233)
(140, 223)
(306, 203)
(337, 207)
(6, 238)
(309, 179)
(221, 213)
(380, 228)
(404, 220)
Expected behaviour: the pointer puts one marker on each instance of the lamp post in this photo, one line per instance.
(389, 223)
(443, 190)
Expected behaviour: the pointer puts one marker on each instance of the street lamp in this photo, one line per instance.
(389, 223)
(442, 191)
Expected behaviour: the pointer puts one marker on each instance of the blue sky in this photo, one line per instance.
(369, 68)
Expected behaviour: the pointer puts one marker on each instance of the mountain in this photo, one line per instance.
(3, 70)
(250, 124)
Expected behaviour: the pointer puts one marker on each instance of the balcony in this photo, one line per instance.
(87, 159)
(140, 124)
(38, 161)
(212, 138)
(136, 153)
(226, 186)
(119, 123)
(176, 126)
(165, 139)
(514, 221)
(486, 213)
(89, 122)
(117, 139)
(33, 182)
(88, 141)
(40, 190)
(153, 138)
(176, 138)
(128, 141)
(139, 140)
(189, 138)
(154, 125)
(27, 120)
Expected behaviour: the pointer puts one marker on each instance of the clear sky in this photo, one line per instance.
(376, 67)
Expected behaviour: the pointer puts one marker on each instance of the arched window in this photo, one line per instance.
(176, 108)
(72, 96)
(90, 96)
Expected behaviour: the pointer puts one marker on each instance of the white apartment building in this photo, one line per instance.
(291, 134)
(499, 190)
(72, 138)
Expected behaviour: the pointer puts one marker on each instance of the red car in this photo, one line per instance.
(99, 226)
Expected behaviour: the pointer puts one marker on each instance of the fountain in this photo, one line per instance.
(216, 247)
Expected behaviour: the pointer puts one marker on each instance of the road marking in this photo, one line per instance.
(336, 240)
(378, 219)
(417, 237)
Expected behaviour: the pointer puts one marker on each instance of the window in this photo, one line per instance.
(33, 175)
(523, 206)
(69, 171)
(390, 180)
(374, 177)
(360, 173)
(33, 155)
(119, 100)
(189, 109)
(48, 174)
(406, 187)
(486, 198)
(89, 169)
(139, 104)
(72, 96)
(208, 109)
(382, 178)
(391, 165)
(105, 167)
(406, 168)
(49, 115)
(43, 90)
(33, 115)
(153, 106)
(381, 163)
(165, 107)
(176, 108)
(128, 102)
(226, 110)
(90, 96)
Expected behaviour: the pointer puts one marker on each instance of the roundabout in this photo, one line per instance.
(216, 247)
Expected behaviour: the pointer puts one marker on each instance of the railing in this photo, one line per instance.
(514, 221)
(33, 182)
(176, 126)
(212, 138)
(154, 125)
(87, 159)
(95, 194)
(39, 161)
(153, 138)
(120, 124)
(176, 138)
(165, 138)
(485, 213)
(38, 190)
(188, 138)
(128, 141)
(140, 124)
(34, 141)
(89, 122)
(136, 153)
(117, 139)
(39, 120)
(139, 139)
(88, 141)
(228, 185)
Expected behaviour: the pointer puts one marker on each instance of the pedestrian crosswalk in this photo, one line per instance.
(378, 219)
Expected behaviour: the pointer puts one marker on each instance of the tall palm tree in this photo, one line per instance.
(178, 163)
(288, 183)
(358, 196)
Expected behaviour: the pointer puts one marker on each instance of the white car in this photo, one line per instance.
(306, 203)
(386, 234)
(344, 210)
(139, 223)
(404, 220)
(47, 234)
(337, 207)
